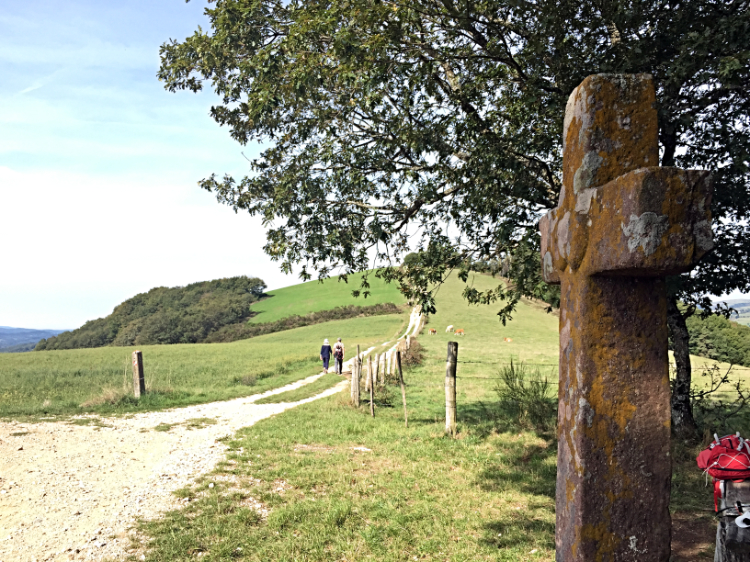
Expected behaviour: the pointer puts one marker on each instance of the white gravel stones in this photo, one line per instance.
(81, 488)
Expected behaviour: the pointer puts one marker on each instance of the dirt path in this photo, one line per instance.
(71, 492)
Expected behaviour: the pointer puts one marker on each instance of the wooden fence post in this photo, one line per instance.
(367, 375)
(371, 382)
(356, 369)
(356, 375)
(377, 368)
(450, 388)
(139, 381)
(403, 389)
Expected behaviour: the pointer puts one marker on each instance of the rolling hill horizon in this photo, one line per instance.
(12, 338)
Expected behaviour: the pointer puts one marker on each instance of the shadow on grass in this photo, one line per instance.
(528, 468)
(526, 464)
(488, 418)
(524, 529)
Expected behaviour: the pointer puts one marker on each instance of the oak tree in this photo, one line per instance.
(435, 125)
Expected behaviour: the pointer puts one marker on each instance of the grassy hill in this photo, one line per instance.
(533, 331)
(225, 310)
(315, 296)
(165, 315)
(487, 495)
(100, 380)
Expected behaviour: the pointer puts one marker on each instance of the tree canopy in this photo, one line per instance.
(437, 124)
(164, 315)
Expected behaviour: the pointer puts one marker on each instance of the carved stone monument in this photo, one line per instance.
(621, 226)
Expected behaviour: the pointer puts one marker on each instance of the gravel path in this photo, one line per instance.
(72, 492)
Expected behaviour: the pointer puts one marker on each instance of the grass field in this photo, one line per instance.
(338, 484)
(483, 349)
(414, 494)
(315, 296)
(341, 485)
(52, 383)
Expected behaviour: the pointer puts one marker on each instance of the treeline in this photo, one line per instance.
(167, 315)
(717, 338)
(244, 330)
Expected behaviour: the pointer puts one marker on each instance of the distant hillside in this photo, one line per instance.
(717, 338)
(12, 338)
(314, 296)
(742, 311)
(19, 348)
(167, 315)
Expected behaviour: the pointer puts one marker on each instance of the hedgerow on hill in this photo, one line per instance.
(167, 315)
(245, 330)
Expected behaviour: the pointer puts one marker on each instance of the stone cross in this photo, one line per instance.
(621, 226)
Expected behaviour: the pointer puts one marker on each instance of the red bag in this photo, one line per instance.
(727, 458)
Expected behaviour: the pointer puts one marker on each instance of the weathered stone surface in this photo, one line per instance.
(661, 215)
(621, 225)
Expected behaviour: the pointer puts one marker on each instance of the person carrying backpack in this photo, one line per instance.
(338, 356)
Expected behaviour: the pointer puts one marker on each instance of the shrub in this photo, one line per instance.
(527, 395)
(719, 339)
(247, 380)
(413, 356)
(167, 315)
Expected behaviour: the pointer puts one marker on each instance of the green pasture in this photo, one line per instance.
(341, 485)
(50, 383)
(483, 350)
(315, 296)
(414, 494)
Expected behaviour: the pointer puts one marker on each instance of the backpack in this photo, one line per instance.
(726, 458)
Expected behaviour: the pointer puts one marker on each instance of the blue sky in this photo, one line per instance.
(99, 164)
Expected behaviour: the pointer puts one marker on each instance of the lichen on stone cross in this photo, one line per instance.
(621, 226)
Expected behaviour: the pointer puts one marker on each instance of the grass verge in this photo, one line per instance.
(308, 391)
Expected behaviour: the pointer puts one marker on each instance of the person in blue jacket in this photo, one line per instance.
(325, 355)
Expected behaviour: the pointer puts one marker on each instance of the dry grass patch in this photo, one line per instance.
(110, 396)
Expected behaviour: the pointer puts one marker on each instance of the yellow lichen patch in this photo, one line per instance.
(608, 116)
(606, 542)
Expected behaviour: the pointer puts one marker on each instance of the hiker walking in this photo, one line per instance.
(338, 356)
(325, 355)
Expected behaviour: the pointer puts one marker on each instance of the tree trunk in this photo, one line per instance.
(683, 423)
